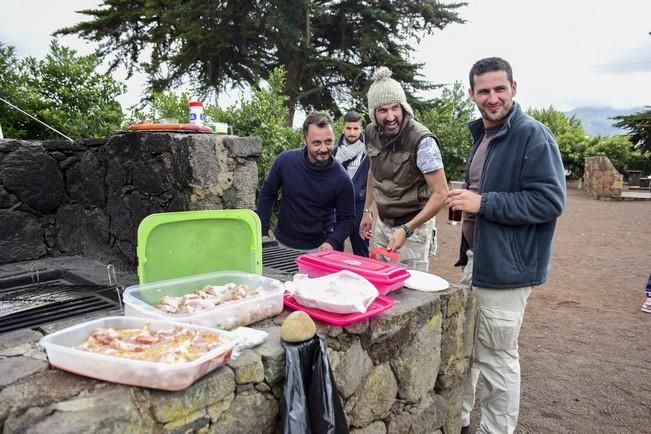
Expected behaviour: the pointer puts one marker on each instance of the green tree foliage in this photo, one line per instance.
(617, 149)
(639, 125)
(570, 136)
(328, 48)
(161, 105)
(63, 90)
(262, 115)
(448, 119)
(620, 151)
(12, 121)
(575, 145)
(168, 105)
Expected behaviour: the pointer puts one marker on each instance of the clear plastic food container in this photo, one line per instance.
(166, 376)
(139, 300)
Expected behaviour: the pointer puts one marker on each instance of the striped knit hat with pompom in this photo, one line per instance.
(385, 90)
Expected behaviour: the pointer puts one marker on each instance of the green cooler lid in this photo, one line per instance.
(179, 244)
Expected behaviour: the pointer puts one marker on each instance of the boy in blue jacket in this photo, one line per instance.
(351, 153)
(515, 193)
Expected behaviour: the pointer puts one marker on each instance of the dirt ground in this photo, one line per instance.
(585, 346)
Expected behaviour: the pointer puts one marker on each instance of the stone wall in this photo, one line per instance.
(88, 197)
(400, 372)
(600, 178)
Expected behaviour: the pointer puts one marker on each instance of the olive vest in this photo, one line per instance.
(400, 189)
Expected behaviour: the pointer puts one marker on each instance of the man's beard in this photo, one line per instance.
(323, 161)
(354, 140)
(496, 117)
(391, 132)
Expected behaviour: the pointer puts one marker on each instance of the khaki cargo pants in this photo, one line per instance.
(495, 356)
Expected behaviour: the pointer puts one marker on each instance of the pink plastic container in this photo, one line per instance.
(379, 305)
(386, 277)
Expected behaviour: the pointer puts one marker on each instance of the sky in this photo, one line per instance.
(564, 53)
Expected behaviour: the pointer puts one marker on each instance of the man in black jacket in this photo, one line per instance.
(351, 153)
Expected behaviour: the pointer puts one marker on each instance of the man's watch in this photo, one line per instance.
(408, 231)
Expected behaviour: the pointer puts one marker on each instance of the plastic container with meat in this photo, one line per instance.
(62, 351)
(263, 301)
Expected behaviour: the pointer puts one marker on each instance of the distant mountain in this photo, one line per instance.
(596, 120)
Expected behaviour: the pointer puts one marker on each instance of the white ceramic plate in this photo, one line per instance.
(427, 282)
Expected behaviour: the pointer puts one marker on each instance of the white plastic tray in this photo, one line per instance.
(62, 354)
(342, 292)
(139, 300)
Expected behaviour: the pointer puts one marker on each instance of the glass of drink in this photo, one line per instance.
(454, 217)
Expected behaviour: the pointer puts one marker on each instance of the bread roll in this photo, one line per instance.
(297, 327)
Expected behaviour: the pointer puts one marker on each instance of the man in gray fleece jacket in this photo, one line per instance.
(515, 193)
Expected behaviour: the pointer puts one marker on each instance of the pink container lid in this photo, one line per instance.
(379, 305)
(377, 272)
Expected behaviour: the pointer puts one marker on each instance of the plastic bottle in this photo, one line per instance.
(196, 112)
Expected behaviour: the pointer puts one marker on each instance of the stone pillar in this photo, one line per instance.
(152, 172)
(600, 178)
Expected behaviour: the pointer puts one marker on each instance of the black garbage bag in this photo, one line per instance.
(311, 404)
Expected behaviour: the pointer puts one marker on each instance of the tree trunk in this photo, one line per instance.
(292, 89)
(291, 110)
(293, 56)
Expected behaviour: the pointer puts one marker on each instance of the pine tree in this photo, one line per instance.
(639, 126)
(329, 49)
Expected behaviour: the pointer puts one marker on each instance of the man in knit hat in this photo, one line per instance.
(406, 179)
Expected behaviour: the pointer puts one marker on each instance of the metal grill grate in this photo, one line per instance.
(31, 300)
(280, 258)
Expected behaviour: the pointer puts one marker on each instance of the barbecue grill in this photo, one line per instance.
(32, 299)
(279, 259)
(42, 296)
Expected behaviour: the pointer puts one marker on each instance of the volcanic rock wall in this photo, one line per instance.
(88, 197)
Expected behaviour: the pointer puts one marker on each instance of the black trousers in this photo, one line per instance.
(360, 246)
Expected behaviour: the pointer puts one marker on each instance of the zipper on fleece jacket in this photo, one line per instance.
(501, 133)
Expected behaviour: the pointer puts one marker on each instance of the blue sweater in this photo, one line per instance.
(310, 195)
(522, 191)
